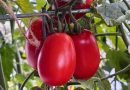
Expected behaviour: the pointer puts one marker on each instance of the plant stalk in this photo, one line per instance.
(26, 80)
(2, 78)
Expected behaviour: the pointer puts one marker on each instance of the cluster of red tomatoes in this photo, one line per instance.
(61, 56)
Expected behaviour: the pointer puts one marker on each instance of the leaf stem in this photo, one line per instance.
(118, 72)
(2, 78)
(108, 34)
(116, 39)
(26, 80)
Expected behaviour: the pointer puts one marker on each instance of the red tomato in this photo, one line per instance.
(81, 4)
(57, 59)
(32, 51)
(87, 55)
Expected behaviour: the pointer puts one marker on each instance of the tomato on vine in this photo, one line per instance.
(33, 51)
(87, 55)
(57, 59)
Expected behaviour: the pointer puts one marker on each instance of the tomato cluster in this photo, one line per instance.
(61, 55)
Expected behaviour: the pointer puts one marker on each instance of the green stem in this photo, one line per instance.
(18, 64)
(128, 84)
(118, 72)
(116, 40)
(2, 78)
(108, 34)
(26, 80)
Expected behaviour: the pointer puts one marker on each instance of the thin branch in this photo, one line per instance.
(9, 10)
(119, 72)
(72, 83)
(2, 78)
(126, 4)
(21, 88)
(116, 40)
(108, 34)
(7, 17)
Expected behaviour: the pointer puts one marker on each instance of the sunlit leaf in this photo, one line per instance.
(25, 6)
(19, 78)
(7, 56)
(41, 3)
(26, 67)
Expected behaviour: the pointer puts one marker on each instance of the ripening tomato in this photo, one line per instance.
(32, 51)
(80, 4)
(57, 59)
(87, 55)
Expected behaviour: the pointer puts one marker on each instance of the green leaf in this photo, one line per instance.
(26, 68)
(17, 36)
(119, 60)
(25, 21)
(36, 88)
(7, 56)
(2, 11)
(79, 88)
(25, 6)
(112, 12)
(95, 82)
(60, 88)
(121, 45)
(41, 3)
(116, 57)
(104, 85)
(19, 78)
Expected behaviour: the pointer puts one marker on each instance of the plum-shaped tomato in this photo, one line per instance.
(33, 51)
(87, 55)
(57, 59)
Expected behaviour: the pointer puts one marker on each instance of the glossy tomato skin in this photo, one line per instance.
(81, 4)
(87, 55)
(32, 51)
(57, 59)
